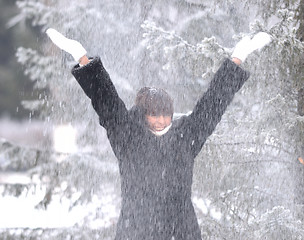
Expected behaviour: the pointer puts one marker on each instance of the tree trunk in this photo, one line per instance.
(300, 31)
(299, 198)
(300, 35)
(301, 102)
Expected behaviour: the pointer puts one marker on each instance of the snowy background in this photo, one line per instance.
(58, 175)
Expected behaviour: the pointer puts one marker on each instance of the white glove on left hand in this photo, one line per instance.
(71, 46)
(246, 46)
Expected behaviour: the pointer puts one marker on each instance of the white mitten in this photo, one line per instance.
(71, 46)
(246, 46)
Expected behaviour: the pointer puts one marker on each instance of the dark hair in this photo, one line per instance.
(154, 101)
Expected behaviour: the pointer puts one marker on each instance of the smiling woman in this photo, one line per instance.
(155, 154)
(154, 101)
(157, 106)
(158, 123)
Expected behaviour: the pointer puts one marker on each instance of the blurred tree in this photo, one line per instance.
(257, 169)
(14, 85)
(247, 166)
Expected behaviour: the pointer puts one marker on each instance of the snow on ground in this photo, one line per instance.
(20, 212)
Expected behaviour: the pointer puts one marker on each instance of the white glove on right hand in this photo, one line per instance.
(71, 46)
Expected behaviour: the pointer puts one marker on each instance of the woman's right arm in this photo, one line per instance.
(97, 85)
(94, 80)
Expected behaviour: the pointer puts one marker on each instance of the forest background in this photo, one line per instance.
(248, 182)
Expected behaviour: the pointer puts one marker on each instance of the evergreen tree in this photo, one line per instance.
(246, 167)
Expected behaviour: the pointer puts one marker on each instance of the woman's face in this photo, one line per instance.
(158, 123)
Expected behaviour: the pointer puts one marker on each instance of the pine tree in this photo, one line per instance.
(246, 167)
(257, 168)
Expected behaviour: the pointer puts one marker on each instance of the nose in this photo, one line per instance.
(161, 119)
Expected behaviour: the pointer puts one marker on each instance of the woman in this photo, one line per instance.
(155, 154)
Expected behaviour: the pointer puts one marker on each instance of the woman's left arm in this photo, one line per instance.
(208, 111)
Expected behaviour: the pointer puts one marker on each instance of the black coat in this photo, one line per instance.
(156, 171)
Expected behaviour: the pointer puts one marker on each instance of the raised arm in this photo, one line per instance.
(208, 111)
(226, 82)
(97, 85)
(94, 80)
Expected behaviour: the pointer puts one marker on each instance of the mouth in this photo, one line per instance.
(158, 129)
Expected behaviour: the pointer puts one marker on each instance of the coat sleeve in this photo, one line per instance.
(208, 111)
(97, 85)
